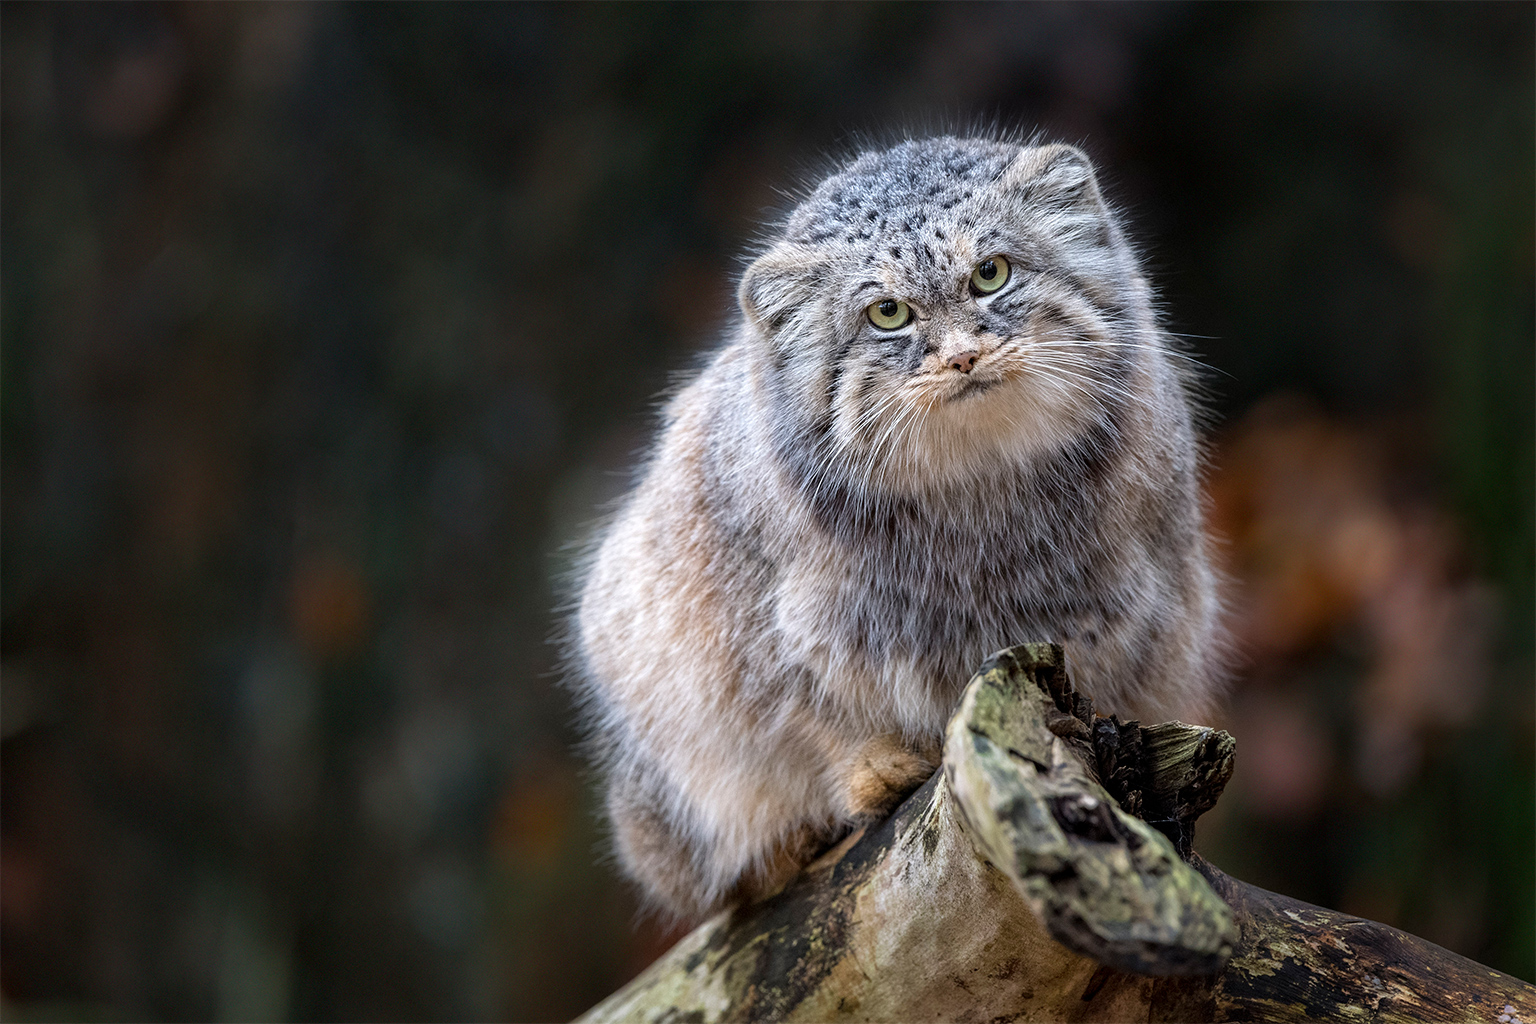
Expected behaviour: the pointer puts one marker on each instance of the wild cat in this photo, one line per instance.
(946, 421)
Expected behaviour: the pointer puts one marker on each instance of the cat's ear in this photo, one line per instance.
(778, 282)
(1054, 177)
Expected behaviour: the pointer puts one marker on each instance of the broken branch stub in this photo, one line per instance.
(1103, 882)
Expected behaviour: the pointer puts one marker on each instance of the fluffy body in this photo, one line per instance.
(838, 523)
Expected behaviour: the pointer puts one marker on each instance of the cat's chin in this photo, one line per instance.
(970, 389)
(972, 432)
(1008, 409)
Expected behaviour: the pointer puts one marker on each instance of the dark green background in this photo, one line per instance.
(325, 328)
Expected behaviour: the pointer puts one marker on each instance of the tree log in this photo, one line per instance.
(1046, 873)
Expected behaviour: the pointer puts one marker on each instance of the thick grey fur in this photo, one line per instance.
(838, 523)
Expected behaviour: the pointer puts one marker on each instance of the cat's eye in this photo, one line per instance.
(990, 275)
(889, 314)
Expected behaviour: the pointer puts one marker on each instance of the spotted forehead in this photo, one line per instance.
(898, 191)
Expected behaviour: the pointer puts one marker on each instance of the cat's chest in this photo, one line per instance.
(916, 588)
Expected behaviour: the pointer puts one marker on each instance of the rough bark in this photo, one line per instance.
(1046, 873)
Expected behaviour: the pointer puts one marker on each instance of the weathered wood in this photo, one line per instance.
(1103, 882)
(1298, 962)
(963, 904)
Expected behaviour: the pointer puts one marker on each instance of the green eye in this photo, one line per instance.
(889, 314)
(990, 275)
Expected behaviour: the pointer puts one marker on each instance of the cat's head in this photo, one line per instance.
(935, 305)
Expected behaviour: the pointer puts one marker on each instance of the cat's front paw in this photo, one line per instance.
(881, 774)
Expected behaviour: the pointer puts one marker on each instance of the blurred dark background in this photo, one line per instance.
(326, 329)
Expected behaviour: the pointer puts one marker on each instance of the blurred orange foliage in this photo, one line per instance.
(329, 606)
(1324, 544)
(532, 819)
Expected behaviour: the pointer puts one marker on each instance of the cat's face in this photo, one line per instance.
(941, 303)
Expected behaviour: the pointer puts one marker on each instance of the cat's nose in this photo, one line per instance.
(963, 361)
